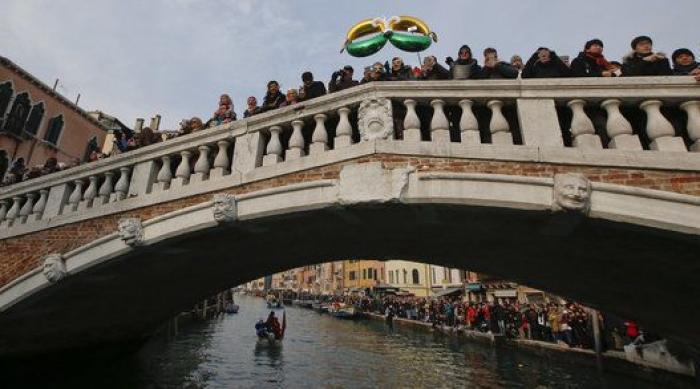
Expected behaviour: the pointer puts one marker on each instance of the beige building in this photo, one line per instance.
(409, 276)
(362, 274)
(37, 123)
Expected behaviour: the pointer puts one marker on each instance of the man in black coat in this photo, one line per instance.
(643, 61)
(311, 89)
(345, 80)
(684, 64)
(273, 98)
(495, 69)
(545, 63)
(465, 67)
(591, 62)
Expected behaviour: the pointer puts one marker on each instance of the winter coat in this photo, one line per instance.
(404, 74)
(501, 70)
(553, 69)
(340, 84)
(585, 66)
(438, 72)
(473, 68)
(271, 102)
(680, 70)
(634, 65)
(316, 89)
(249, 113)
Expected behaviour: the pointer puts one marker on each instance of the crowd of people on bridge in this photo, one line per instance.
(643, 60)
(565, 323)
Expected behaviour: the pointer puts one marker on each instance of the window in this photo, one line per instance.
(374, 276)
(391, 277)
(34, 120)
(351, 275)
(364, 274)
(415, 276)
(448, 274)
(432, 272)
(53, 132)
(397, 276)
(404, 276)
(5, 97)
(18, 114)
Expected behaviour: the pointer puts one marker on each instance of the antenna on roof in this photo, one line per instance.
(77, 99)
(55, 84)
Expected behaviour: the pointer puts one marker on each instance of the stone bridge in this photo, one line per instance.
(586, 188)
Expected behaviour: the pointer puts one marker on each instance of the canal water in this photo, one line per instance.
(318, 351)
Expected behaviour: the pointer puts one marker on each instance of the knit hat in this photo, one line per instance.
(680, 52)
(465, 47)
(593, 42)
(640, 39)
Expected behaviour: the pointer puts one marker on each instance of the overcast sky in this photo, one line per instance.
(136, 58)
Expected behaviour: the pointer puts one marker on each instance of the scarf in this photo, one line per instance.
(685, 69)
(599, 60)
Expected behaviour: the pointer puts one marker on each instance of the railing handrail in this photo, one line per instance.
(673, 87)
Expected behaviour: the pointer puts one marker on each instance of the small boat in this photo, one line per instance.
(273, 302)
(267, 337)
(344, 312)
(231, 308)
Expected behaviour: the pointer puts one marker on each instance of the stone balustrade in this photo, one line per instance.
(659, 116)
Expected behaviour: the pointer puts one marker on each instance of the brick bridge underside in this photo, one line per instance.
(634, 271)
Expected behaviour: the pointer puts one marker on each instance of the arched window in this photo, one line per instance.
(53, 132)
(18, 114)
(415, 276)
(34, 119)
(6, 92)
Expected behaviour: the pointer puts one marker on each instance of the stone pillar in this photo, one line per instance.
(201, 167)
(182, 173)
(411, 123)
(3, 209)
(248, 153)
(274, 147)
(659, 130)
(296, 142)
(106, 188)
(439, 126)
(13, 213)
(40, 205)
(142, 178)
(165, 175)
(499, 127)
(468, 125)
(343, 133)
(58, 197)
(221, 162)
(90, 193)
(76, 195)
(618, 128)
(122, 188)
(582, 130)
(27, 207)
(539, 123)
(692, 108)
(319, 138)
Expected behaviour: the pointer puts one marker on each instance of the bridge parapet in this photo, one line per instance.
(633, 123)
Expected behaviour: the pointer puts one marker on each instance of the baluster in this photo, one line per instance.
(106, 188)
(3, 209)
(499, 127)
(296, 142)
(76, 195)
(439, 126)
(122, 187)
(692, 108)
(343, 132)
(90, 192)
(201, 167)
(319, 138)
(14, 210)
(38, 209)
(165, 174)
(659, 130)
(618, 128)
(274, 147)
(468, 125)
(221, 162)
(411, 123)
(26, 209)
(582, 129)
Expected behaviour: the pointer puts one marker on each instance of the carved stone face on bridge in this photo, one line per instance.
(131, 231)
(54, 267)
(224, 207)
(375, 119)
(572, 192)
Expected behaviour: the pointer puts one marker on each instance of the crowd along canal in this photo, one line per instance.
(318, 351)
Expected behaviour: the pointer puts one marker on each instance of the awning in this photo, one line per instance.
(447, 291)
(476, 287)
(506, 293)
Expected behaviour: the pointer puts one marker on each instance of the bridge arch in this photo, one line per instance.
(632, 251)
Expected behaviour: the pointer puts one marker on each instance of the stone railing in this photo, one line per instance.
(658, 116)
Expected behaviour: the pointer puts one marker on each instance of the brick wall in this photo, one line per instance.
(23, 253)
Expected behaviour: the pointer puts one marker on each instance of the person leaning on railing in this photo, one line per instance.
(592, 63)
(545, 63)
(465, 67)
(342, 79)
(495, 69)
(273, 97)
(642, 61)
(432, 70)
(684, 64)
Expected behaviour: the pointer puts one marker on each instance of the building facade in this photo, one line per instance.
(362, 274)
(409, 276)
(37, 123)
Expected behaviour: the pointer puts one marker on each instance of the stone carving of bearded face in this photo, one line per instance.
(572, 192)
(131, 231)
(54, 268)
